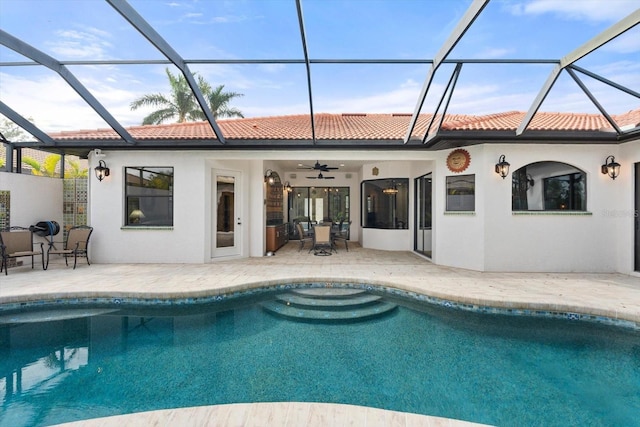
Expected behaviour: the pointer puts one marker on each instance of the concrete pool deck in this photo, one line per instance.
(609, 295)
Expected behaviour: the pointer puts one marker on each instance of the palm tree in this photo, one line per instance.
(47, 168)
(49, 165)
(218, 102)
(182, 103)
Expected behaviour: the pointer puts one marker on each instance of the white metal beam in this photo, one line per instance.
(465, 23)
(42, 58)
(139, 23)
(607, 35)
(25, 124)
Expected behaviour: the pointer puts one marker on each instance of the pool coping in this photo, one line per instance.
(510, 307)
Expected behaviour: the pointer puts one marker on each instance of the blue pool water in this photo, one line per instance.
(499, 370)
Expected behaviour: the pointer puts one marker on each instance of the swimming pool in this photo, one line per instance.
(494, 369)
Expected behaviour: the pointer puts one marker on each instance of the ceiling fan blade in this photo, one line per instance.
(329, 177)
(317, 167)
(312, 177)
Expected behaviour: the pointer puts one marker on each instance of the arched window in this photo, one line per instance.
(549, 186)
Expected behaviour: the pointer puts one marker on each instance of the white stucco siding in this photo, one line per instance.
(459, 236)
(33, 199)
(491, 238)
(548, 241)
(624, 214)
(182, 243)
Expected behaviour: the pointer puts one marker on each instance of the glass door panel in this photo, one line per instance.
(423, 219)
(226, 217)
(636, 217)
(313, 205)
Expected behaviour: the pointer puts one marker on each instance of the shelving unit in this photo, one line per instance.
(277, 234)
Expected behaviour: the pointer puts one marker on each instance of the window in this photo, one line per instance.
(461, 193)
(319, 204)
(549, 186)
(385, 203)
(149, 196)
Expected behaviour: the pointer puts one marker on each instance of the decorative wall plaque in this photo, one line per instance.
(458, 160)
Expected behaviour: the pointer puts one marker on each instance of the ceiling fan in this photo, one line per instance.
(318, 167)
(320, 176)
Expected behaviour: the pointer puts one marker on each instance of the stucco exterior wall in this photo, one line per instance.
(551, 241)
(491, 238)
(34, 199)
(624, 214)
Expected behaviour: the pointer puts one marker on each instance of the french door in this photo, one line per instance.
(225, 214)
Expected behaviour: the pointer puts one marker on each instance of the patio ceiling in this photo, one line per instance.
(302, 56)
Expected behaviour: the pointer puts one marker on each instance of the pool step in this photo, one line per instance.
(328, 302)
(328, 305)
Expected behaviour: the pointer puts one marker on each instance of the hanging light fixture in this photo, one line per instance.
(502, 167)
(391, 190)
(611, 167)
(102, 171)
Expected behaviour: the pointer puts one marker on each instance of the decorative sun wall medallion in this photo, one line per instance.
(458, 160)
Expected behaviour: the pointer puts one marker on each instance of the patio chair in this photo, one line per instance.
(76, 244)
(17, 242)
(303, 237)
(322, 243)
(342, 235)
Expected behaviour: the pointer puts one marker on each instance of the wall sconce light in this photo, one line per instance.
(530, 181)
(268, 177)
(102, 171)
(611, 167)
(287, 187)
(502, 167)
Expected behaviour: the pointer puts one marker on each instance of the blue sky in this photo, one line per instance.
(77, 30)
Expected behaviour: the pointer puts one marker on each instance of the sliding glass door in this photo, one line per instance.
(423, 223)
(312, 205)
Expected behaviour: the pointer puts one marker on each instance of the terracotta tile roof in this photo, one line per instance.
(355, 126)
(629, 119)
(544, 121)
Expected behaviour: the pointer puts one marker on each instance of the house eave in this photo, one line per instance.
(444, 140)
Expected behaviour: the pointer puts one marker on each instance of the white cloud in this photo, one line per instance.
(55, 107)
(590, 10)
(628, 42)
(272, 68)
(493, 53)
(88, 43)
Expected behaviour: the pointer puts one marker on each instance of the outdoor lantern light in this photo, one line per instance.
(102, 170)
(611, 167)
(502, 167)
(268, 177)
